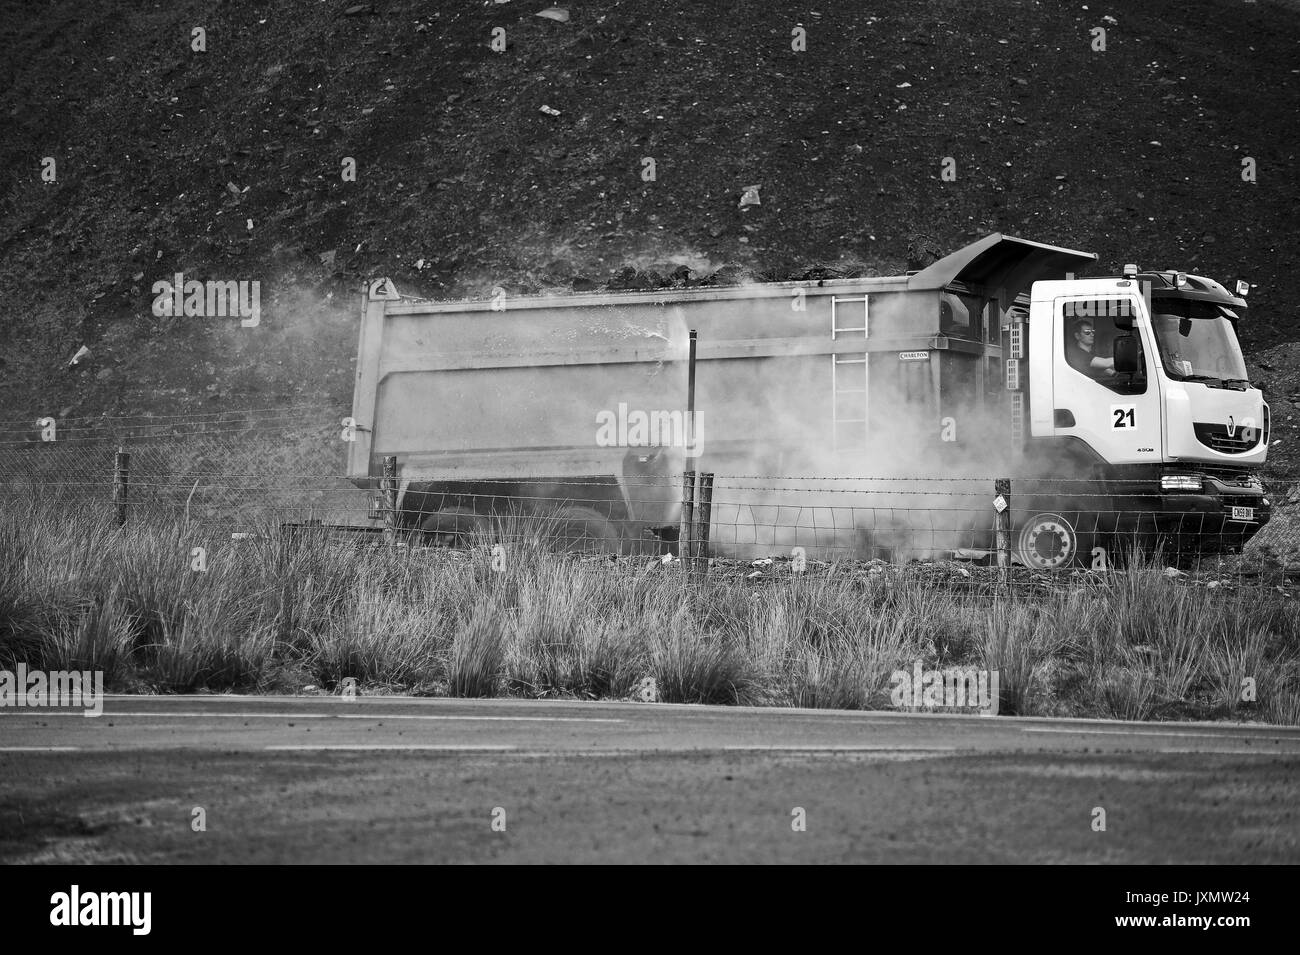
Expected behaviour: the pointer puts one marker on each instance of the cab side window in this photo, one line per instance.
(1090, 331)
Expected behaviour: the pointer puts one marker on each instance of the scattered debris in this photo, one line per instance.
(549, 111)
(750, 197)
(558, 14)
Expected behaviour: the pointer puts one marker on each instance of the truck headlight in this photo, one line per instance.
(1180, 482)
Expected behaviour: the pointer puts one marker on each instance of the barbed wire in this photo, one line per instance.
(312, 409)
(289, 469)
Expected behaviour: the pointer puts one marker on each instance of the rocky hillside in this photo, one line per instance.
(129, 154)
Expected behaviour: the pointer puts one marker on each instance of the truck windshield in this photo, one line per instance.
(1197, 341)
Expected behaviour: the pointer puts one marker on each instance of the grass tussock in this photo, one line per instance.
(180, 607)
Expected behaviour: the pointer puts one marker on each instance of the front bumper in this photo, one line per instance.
(1222, 516)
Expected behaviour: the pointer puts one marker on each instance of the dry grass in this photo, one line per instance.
(280, 612)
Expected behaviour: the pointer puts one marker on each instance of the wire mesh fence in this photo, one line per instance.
(230, 467)
(234, 552)
(268, 470)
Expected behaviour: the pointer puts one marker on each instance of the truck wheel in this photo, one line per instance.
(1049, 541)
(454, 527)
(583, 529)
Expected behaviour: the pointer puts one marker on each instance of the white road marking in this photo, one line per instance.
(833, 748)
(39, 749)
(163, 714)
(1212, 752)
(379, 747)
(1174, 734)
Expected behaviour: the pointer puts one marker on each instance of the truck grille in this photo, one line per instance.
(1216, 436)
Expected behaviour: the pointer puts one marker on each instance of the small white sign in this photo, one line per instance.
(914, 356)
(999, 504)
(383, 290)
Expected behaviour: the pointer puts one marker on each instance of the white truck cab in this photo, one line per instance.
(1139, 380)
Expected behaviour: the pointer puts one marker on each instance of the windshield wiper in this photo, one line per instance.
(1236, 384)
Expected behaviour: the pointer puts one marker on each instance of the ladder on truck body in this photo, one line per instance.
(848, 384)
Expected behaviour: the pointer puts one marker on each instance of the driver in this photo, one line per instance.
(1079, 354)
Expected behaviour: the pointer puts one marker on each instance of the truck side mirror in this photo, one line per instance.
(1126, 355)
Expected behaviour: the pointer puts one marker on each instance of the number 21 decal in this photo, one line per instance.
(1123, 416)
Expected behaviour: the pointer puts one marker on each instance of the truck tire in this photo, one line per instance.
(454, 527)
(1049, 541)
(581, 529)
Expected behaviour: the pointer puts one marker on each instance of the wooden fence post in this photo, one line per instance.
(121, 479)
(705, 513)
(686, 532)
(388, 491)
(1002, 504)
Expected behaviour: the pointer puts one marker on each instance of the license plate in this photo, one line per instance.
(1243, 513)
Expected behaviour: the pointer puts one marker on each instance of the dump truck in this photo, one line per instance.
(840, 414)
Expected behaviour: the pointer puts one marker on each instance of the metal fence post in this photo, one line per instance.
(121, 478)
(705, 517)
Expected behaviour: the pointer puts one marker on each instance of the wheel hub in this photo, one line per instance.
(1051, 544)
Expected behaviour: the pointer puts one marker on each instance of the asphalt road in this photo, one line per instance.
(390, 779)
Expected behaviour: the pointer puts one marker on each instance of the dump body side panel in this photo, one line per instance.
(468, 392)
(895, 377)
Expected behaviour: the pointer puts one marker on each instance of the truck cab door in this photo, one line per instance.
(1117, 415)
